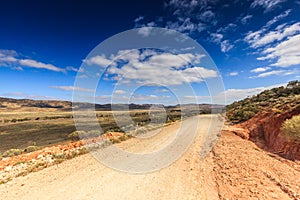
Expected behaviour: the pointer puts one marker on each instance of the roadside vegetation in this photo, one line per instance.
(278, 99)
(291, 128)
(23, 132)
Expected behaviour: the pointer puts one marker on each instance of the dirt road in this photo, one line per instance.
(235, 169)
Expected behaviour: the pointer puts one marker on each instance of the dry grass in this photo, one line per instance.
(18, 129)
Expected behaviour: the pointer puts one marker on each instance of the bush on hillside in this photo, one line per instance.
(291, 128)
(31, 149)
(76, 135)
(281, 98)
(12, 152)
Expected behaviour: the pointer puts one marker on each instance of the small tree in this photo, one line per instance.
(291, 128)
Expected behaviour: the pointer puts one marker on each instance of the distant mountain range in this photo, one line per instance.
(10, 104)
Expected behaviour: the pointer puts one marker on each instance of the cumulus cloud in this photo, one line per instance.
(286, 52)
(280, 46)
(151, 67)
(99, 60)
(256, 40)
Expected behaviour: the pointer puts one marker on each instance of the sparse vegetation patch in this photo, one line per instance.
(291, 128)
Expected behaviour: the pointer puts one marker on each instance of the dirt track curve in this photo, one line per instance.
(235, 169)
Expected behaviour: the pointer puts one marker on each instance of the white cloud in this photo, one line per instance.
(150, 67)
(226, 46)
(268, 5)
(173, 60)
(260, 69)
(260, 37)
(185, 25)
(4, 58)
(187, 48)
(72, 88)
(70, 68)
(207, 15)
(278, 17)
(228, 27)
(233, 73)
(216, 37)
(245, 19)
(286, 52)
(239, 94)
(140, 18)
(182, 4)
(280, 45)
(39, 65)
(9, 58)
(18, 68)
(270, 73)
(231, 95)
(100, 60)
(161, 91)
(256, 40)
(275, 72)
(119, 92)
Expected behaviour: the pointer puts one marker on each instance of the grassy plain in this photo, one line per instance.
(19, 130)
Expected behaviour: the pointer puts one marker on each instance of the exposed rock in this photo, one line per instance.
(265, 127)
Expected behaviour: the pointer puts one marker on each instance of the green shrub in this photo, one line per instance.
(114, 140)
(291, 128)
(12, 152)
(281, 98)
(123, 138)
(76, 135)
(31, 149)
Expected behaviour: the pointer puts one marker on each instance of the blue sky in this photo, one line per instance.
(254, 43)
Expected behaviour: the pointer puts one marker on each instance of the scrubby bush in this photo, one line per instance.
(76, 135)
(281, 98)
(12, 152)
(123, 138)
(114, 140)
(31, 149)
(291, 128)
